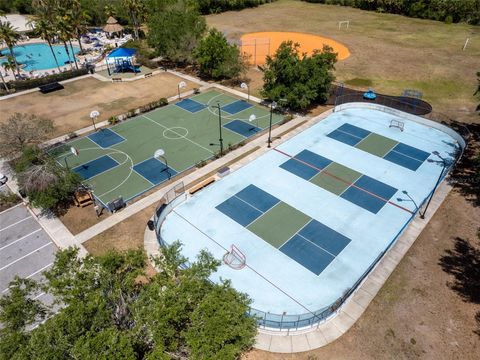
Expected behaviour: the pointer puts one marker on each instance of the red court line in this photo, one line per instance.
(344, 181)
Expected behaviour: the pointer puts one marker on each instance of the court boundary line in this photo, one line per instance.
(186, 138)
(347, 182)
(245, 137)
(153, 185)
(263, 213)
(204, 106)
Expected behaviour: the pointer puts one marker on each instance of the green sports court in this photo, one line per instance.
(119, 161)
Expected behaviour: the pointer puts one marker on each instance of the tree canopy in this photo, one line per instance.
(217, 58)
(175, 27)
(296, 79)
(110, 309)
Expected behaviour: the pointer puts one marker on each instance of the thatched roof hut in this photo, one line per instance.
(112, 26)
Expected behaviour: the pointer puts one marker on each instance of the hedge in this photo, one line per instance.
(20, 85)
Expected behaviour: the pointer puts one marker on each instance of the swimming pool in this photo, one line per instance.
(315, 214)
(39, 56)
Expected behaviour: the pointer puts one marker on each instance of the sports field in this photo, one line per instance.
(119, 161)
(313, 215)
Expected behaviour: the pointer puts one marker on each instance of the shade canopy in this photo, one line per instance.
(122, 53)
(112, 26)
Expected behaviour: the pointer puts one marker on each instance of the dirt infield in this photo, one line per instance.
(258, 45)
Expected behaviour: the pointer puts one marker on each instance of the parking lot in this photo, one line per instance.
(26, 249)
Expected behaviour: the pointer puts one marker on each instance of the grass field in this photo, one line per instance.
(70, 108)
(389, 52)
(119, 161)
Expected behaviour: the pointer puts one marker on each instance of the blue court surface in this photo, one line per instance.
(106, 138)
(95, 167)
(313, 214)
(190, 105)
(242, 128)
(236, 106)
(154, 171)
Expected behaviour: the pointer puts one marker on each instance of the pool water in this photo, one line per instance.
(39, 56)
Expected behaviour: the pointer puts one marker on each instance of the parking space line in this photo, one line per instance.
(23, 237)
(10, 208)
(24, 256)
(31, 275)
(39, 295)
(15, 223)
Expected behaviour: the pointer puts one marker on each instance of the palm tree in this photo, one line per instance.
(10, 65)
(79, 21)
(64, 31)
(9, 35)
(4, 83)
(136, 11)
(45, 30)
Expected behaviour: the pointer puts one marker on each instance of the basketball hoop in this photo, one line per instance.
(235, 258)
(74, 151)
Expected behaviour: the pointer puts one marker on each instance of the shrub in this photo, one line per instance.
(20, 85)
(8, 199)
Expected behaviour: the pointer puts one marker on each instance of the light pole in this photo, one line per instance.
(181, 85)
(273, 105)
(160, 154)
(444, 166)
(409, 199)
(94, 115)
(219, 129)
(244, 86)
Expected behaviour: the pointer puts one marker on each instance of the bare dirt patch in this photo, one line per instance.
(390, 51)
(417, 313)
(126, 235)
(70, 108)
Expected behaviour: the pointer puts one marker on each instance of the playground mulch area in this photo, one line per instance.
(70, 108)
(125, 75)
(416, 314)
(389, 53)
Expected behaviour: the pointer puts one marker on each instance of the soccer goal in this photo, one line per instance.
(235, 258)
(397, 124)
(345, 23)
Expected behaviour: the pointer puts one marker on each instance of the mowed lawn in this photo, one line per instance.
(390, 51)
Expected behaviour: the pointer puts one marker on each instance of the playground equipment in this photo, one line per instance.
(120, 60)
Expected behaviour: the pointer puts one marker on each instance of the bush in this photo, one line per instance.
(20, 85)
(8, 199)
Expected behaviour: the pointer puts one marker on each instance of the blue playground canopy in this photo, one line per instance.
(122, 52)
(121, 59)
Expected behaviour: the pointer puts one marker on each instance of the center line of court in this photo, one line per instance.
(178, 134)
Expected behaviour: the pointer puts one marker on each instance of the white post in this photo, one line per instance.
(466, 43)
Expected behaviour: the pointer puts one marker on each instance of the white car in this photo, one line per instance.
(3, 179)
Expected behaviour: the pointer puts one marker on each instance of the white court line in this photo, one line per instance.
(24, 256)
(32, 275)
(10, 208)
(186, 138)
(18, 222)
(23, 237)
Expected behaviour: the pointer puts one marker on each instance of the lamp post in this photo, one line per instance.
(273, 105)
(409, 199)
(444, 166)
(220, 140)
(244, 86)
(94, 115)
(181, 85)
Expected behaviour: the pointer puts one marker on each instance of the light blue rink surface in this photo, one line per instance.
(39, 56)
(290, 287)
